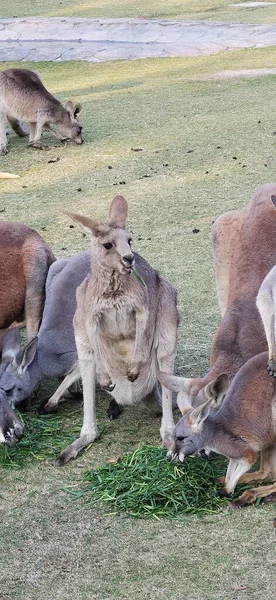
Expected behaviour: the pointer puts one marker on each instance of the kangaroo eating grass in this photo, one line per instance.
(11, 427)
(23, 97)
(125, 326)
(53, 352)
(243, 424)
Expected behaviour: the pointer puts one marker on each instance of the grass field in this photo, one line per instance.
(205, 146)
(210, 10)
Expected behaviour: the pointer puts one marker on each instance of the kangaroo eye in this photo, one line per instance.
(130, 241)
(180, 438)
(107, 246)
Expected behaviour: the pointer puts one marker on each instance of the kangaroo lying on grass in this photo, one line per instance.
(24, 262)
(125, 327)
(53, 352)
(244, 249)
(241, 427)
(23, 96)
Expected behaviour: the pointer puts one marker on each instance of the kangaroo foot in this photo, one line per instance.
(46, 408)
(114, 410)
(271, 368)
(41, 146)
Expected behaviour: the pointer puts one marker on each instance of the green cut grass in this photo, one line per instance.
(44, 438)
(210, 10)
(145, 484)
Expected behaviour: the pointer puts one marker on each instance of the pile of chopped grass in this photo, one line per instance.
(44, 438)
(145, 484)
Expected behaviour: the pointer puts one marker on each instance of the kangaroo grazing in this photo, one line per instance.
(24, 97)
(11, 427)
(244, 250)
(125, 327)
(24, 262)
(53, 353)
(243, 425)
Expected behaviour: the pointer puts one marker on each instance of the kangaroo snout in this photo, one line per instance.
(128, 260)
(78, 140)
(14, 434)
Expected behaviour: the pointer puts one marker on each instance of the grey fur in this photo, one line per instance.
(55, 355)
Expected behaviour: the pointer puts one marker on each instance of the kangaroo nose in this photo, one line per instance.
(129, 259)
(19, 431)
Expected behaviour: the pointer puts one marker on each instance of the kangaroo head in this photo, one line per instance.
(111, 242)
(189, 435)
(15, 378)
(11, 427)
(72, 126)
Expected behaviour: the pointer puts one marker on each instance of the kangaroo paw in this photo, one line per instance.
(47, 408)
(271, 368)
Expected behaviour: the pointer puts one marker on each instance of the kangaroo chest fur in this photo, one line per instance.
(113, 342)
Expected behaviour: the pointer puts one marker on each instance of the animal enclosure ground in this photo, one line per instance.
(209, 10)
(183, 150)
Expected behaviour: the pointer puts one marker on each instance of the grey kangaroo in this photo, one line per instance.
(125, 327)
(23, 97)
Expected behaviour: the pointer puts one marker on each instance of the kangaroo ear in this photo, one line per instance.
(90, 226)
(69, 106)
(118, 212)
(176, 384)
(182, 385)
(27, 357)
(273, 200)
(77, 109)
(199, 414)
(216, 390)
(11, 345)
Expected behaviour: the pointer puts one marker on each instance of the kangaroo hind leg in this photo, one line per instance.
(20, 129)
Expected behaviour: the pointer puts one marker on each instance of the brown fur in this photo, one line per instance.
(244, 249)
(23, 96)
(24, 262)
(244, 425)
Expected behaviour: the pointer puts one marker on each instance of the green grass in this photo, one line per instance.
(53, 546)
(210, 10)
(145, 484)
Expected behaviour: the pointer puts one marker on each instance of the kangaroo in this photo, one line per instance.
(53, 352)
(125, 327)
(243, 424)
(244, 250)
(23, 96)
(266, 303)
(24, 262)
(11, 427)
